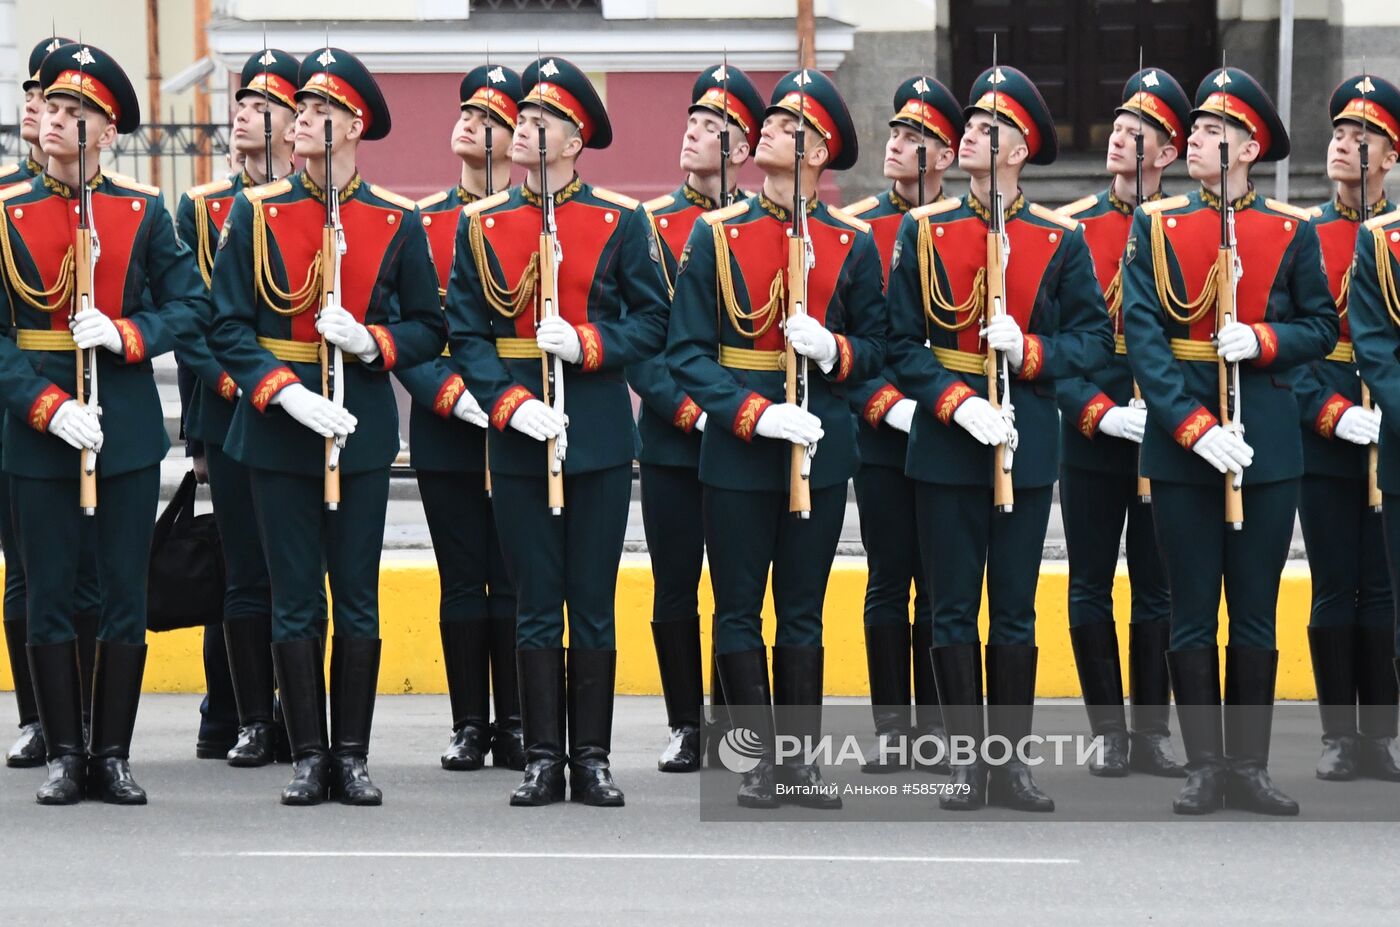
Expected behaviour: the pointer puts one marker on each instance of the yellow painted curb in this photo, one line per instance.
(412, 662)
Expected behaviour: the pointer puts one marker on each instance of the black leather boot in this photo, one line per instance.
(719, 723)
(750, 702)
(929, 751)
(1334, 673)
(507, 740)
(1377, 712)
(85, 624)
(1249, 713)
(28, 749)
(1149, 691)
(592, 675)
(354, 682)
(678, 658)
(1101, 681)
(249, 644)
(887, 654)
(116, 693)
(301, 683)
(957, 668)
(797, 712)
(466, 655)
(57, 693)
(1195, 676)
(1010, 708)
(541, 674)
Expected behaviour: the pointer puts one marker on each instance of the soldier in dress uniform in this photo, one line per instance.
(1053, 326)
(611, 312)
(1101, 427)
(670, 425)
(926, 116)
(146, 294)
(1353, 614)
(726, 352)
(1284, 317)
(268, 335)
(447, 441)
(239, 647)
(28, 750)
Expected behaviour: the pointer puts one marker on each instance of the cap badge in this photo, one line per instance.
(1150, 79)
(325, 58)
(549, 69)
(84, 56)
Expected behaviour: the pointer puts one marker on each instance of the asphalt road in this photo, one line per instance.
(214, 847)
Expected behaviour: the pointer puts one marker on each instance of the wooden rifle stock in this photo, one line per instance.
(330, 257)
(1003, 495)
(1224, 314)
(1373, 486)
(82, 299)
(799, 483)
(551, 387)
(1144, 485)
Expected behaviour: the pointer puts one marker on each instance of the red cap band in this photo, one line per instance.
(713, 99)
(562, 102)
(1230, 105)
(84, 85)
(273, 86)
(1154, 108)
(326, 84)
(1363, 110)
(494, 102)
(817, 116)
(931, 118)
(1007, 107)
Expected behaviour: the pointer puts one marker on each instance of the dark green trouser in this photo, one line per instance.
(302, 539)
(1346, 554)
(471, 570)
(51, 530)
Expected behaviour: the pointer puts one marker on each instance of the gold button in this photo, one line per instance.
(733, 233)
(19, 213)
(392, 218)
(1395, 236)
(1287, 226)
(1171, 223)
(1054, 237)
(216, 206)
(490, 223)
(135, 205)
(845, 238)
(608, 217)
(665, 223)
(272, 211)
(427, 220)
(938, 231)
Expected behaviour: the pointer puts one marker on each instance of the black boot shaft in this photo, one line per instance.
(15, 632)
(58, 697)
(1100, 675)
(1376, 682)
(301, 682)
(249, 644)
(116, 693)
(887, 661)
(1149, 685)
(354, 684)
(466, 656)
(678, 658)
(541, 674)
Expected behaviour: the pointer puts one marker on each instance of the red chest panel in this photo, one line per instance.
(1263, 240)
(297, 230)
(1338, 239)
(218, 209)
(761, 248)
(441, 227)
(1106, 236)
(675, 227)
(886, 231)
(584, 231)
(962, 250)
(49, 228)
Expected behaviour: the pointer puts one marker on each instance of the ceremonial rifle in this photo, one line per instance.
(1227, 273)
(1373, 489)
(800, 260)
(267, 116)
(1144, 485)
(490, 189)
(998, 366)
(332, 357)
(552, 372)
(724, 197)
(86, 251)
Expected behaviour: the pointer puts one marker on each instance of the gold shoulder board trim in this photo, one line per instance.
(860, 206)
(433, 200)
(8, 169)
(276, 188)
(402, 202)
(209, 189)
(935, 209)
(1378, 222)
(131, 183)
(840, 215)
(1078, 206)
(661, 202)
(495, 199)
(716, 216)
(626, 202)
(1315, 212)
(1049, 215)
(1171, 202)
(14, 190)
(1288, 209)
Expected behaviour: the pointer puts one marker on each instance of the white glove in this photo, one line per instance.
(984, 423)
(340, 328)
(900, 417)
(1237, 342)
(1003, 334)
(789, 422)
(315, 411)
(1224, 450)
(1359, 426)
(556, 336)
(1126, 422)
(78, 425)
(92, 329)
(811, 339)
(700, 422)
(537, 420)
(469, 410)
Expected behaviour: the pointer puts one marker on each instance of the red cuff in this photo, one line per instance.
(952, 397)
(505, 407)
(227, 389)
(1332, 410)
(1268, 344)
(686, 415)
(845, 358)
(388, 352)
(271, 385)
(1195, 425)
(592, 344)
(746, 421)
(1092, 412)
(1032, 359)
(133, 345)
(47, 403)
(452, 389)
(880, 404)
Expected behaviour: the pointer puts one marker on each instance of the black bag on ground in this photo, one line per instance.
(185, 587)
